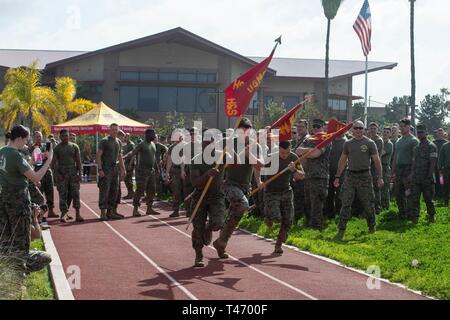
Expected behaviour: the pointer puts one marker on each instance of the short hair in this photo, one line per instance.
(150, 130)
(405, 121)
(18, 132)
(114, 125)
(285, 144)
(387, 128)
(73, 134)
(63, 131)
(373, 124)
(303, 121)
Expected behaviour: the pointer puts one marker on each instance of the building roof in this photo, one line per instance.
(19, 57)
(315, 68)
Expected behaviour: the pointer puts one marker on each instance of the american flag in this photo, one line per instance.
(363, 27)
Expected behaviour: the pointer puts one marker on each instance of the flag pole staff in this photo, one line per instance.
(365, 101)
(210, 180)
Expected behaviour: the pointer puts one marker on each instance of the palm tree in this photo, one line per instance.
(330, 9)
(65, 100)
(413, 65)
(24, 100)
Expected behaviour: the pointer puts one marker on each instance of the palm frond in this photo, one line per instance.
(331, 7)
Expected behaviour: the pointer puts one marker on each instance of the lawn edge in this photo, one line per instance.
(340, 264)
(57, 276)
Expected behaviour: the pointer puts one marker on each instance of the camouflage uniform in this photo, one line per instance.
(423, 183)
(333, 204)
(109, 184)
(176, 183)
(444, 166)
(377, 191)
(187, 185)
(439, 190)
(298, 188)
(129, 167)
(386, 163)
(316, 186)
(47, 187)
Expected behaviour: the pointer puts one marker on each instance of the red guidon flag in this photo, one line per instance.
(285, 124)
(241, 91)
(335, 125)
(324, 139)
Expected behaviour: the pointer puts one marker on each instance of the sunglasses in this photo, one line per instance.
(358, 128)
(316, 126)
(420, 132)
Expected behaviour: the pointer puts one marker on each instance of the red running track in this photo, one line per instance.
(151, 258)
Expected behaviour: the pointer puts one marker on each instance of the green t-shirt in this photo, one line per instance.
(111, 148)
(241, 174)
(147, 154)
(12, 167)
(380, 145)
(439, 143)
(404, 150)
(127, 148)
(444, 157)
(335, 154)
(66, 154)
(359, 153)
(388, 152)
(283, 183)
(200, 169)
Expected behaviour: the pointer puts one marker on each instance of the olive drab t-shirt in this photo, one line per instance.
(216, 185)
(65, 154)
(359, 153)
(380, 145)
(335, 154)
(444, 157)
(283, 183)
(404, 150)
(111, 148)
(12, 167)
(147, 154)
(242, 173)
(387, 154)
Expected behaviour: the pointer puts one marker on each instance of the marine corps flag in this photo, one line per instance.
(285, 124)
(241, 91)
(335, 125)
(324, 139)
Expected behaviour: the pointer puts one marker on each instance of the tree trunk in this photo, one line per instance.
(327, 71)
(413, 68)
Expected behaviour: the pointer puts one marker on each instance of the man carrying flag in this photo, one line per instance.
(358, 152)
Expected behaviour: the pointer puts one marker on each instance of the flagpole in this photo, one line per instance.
(365, 101)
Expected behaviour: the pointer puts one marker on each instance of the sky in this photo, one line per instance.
(249, 28)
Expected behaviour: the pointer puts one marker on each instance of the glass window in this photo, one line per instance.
(149, 76)
(168, 76)
(128, 98)
(202, 77)
(167, 99)
(268, 100)
(187, 77)
(186, 99)
(129, 75)
(206, 100)
(93, 93)
(290, 102)
(211, 77)
(148, 99)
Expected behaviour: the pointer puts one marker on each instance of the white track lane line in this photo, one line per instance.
(153, 263)
(241, 262)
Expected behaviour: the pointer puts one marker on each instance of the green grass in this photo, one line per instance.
(38, 285)
(393, 247)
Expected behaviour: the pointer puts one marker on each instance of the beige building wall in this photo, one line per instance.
(89, 69)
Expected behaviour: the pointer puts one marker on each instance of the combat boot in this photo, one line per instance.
(104, 215)
(282, 237)
(130, 196)
(372, 230)
(340, 235)
(52, 214)
(198, 259)
(207, 235)
(175, 214)
(79, 218)
(221, 243)
(151, 212)
(136, 212)
(431, 219)
(115, 215)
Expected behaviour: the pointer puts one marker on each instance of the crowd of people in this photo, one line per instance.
(356, 175)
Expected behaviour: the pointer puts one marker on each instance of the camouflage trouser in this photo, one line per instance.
(108, 189)
(425, 187)
(15, 221)
(47, 188)
(446, 186)
(187, 190)
(401, 185)
(357, 185)
(176, 185)
(299, 199)
(212, 210)
(146, 184)
(376, 192)
(129, 176)
(237, 199)
(69, 186)
(316, 194)
(438, 189)
(386, 190)
(36, 195)
(278, 206)
(333, 204)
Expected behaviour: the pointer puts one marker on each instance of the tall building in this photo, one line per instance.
(177, 70)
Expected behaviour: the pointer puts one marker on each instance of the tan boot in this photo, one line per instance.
(79, 218)
(115, 215)
(64, 218)
(221, 243)
(104, 215)
(136, 212)
(199, 259)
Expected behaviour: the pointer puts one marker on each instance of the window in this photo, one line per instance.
(202, 77)
(167, 99)
(268, 100)
(146, 76)
(211, 77)
(129, 98)
(93, 93)
(290, 102)
(186, 99)
(127, 75)
(187, 77)
(168, 76)
(337, 104)
(148, 99)
(206, 100)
